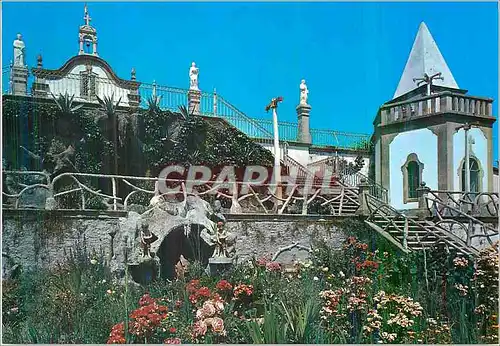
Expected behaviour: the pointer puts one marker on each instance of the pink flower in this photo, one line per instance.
(199, 328)
(273, 266)
(208, 309)
(218, 324)
(172, 341)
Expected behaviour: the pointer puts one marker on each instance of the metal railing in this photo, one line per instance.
(350, 177)
(340, 199)
(170, 98)
(341, 140)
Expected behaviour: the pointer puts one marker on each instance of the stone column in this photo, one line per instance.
(19, 76)
(423, 192)
(194, 98)
(304, 133)
(134, 99)
(363, 190)
(40, 88)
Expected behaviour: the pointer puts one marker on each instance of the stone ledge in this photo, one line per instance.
(286, 217)
(29, 213)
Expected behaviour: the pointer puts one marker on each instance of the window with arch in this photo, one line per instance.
(412, 178)
(88, 84)
(475, 175)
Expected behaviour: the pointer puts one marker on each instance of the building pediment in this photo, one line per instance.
(85, 60)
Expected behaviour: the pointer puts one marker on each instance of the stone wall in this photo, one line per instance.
(265, 238)
(39, 238)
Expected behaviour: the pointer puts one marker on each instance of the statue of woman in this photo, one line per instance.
(193, 76)
(303, 92)
(19, 48)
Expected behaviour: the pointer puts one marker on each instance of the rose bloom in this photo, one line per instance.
(200, 328)
(218, 324)
(208, 309)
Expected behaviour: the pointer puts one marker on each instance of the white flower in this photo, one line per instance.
(341, 273)
(315, 278)
(93, 261)
(103, 281)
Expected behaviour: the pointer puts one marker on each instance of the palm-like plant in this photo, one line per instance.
(184, 112)
(154, 104)
(65, 103)
(110, 108)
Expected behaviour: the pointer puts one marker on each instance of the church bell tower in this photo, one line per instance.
(87, 36)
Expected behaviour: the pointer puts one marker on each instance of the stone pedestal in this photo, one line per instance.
(304, 133)
(40, 88)
(363, 190)
(19, 80)
(194, 98)
(134, 100)
(219, 265)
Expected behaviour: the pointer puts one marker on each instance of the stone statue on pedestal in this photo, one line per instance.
(303, 92)
(193, 76)
(19, 49)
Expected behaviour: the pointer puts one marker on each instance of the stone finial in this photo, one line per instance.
(39, 63)
(19, 51)
(303, 92)
(132, 74)
(193, 76)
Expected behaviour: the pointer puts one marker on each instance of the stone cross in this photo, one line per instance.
(19, 49)
(193, 77)
(86, 17)
(303, 92)
(428, 80)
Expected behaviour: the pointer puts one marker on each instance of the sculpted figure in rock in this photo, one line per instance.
(147, 238)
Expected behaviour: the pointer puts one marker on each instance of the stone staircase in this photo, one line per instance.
(411, 233)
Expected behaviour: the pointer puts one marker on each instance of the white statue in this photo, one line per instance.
(303, 92)
(193, 76)
(19, 51)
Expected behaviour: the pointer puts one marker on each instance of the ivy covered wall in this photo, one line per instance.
(113, 140)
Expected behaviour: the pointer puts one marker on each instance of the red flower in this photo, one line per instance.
(273, 266)
(243, 289)
(172, 330)
(261, 262)
(146, 300)
(192, 286)
(224, 285)
(117, 335)
(204, 292)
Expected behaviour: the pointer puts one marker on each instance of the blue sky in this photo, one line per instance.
(351, 54)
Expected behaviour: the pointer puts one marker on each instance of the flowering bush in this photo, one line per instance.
(349, 295)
